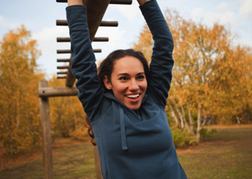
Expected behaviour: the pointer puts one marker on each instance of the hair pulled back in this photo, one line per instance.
(107, 65)
(106, 68)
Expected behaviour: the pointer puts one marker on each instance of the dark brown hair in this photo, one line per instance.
(106, 68)
(107, 65)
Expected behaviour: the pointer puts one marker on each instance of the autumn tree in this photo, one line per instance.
(67, 114)
(232, 85)
(19, 103)
(207, 73)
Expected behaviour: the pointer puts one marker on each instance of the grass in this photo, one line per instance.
(226, 154)
(71, 160)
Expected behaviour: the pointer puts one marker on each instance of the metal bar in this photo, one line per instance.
(60, 91)
(103, 23)
(63, 60)
(111, 2)
(69, 51)
(96, 39)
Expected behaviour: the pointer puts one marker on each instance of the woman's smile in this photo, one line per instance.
(133, 98)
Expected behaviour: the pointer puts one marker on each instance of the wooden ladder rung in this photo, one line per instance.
(96, 39)
(62, 67)
(63, 60)
(69, 51)
(62, 73)
(103, 23)
(111, 2)
(61, 77)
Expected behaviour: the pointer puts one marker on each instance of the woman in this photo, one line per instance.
(126, 105)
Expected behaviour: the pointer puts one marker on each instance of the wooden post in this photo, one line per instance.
(46, 134)
(97, 164)
(44, 93)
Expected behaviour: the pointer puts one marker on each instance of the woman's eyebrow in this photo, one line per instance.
(126, 74)
(122, 74)
(141, 73)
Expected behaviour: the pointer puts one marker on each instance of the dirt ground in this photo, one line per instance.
(226, 154)
(7, 162)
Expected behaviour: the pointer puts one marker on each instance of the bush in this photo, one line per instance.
(204, 132)
(182, 138)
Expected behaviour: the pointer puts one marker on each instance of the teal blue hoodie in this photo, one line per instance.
(131, 144)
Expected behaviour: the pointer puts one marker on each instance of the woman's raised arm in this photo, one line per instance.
(142, 1)
(74, 2)
(162, 62)
(83, 64)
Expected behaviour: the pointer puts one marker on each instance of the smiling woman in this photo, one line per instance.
(128, 82)
(125, 102)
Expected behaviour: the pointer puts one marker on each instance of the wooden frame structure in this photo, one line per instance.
(95, 12)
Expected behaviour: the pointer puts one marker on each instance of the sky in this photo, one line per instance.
(39, 17)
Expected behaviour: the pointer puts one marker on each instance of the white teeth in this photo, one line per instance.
(133, 96)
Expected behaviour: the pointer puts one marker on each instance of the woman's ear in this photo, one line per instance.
(107, 83)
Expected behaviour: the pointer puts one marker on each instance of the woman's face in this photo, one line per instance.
(128, 81)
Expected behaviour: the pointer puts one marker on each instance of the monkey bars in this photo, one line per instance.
(95, 12)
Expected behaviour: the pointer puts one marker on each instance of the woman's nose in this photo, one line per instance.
(133, 85)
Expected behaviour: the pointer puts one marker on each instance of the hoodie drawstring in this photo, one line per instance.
(122, 127)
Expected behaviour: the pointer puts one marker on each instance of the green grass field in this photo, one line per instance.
(226, 154)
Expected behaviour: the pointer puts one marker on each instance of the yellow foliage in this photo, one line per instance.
(19, 103)
(210, 74)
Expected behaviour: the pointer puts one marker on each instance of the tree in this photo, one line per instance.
(207, 73)
(67, 114)
(19, 103)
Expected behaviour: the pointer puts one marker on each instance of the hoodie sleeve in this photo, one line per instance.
(161, 62)
(83, 61)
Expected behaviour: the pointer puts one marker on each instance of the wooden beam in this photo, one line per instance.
(62, 67)
(121, 2)
(62, 73)
(103, 23)
(96, 39)
(46, 133)
(63, 51)
(63, 60)
(55, 92)
(69, 51)
(111, 2)
(61, 77)
(101, 39)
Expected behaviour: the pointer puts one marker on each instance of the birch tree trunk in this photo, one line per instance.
(184, 118)
(173, 114)
(179, 113)
(199, 122)
(190, 119)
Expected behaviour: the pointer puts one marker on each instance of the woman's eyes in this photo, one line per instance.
(124, 78)
(141, 77)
